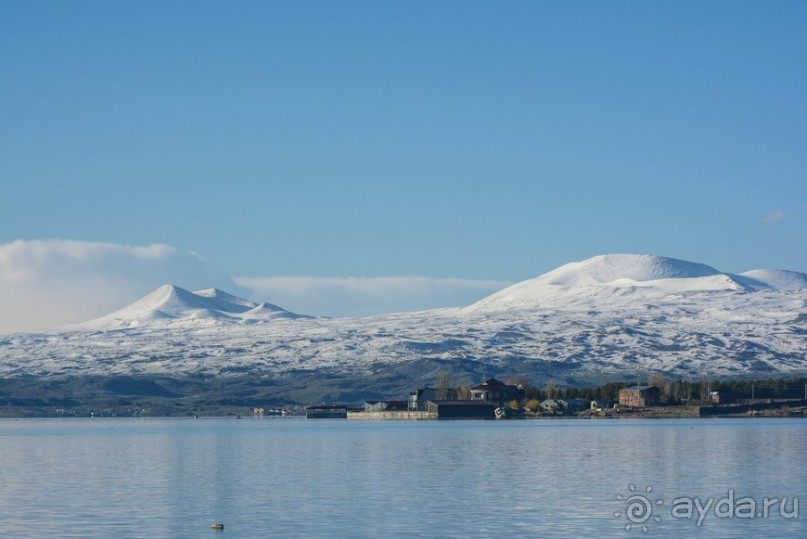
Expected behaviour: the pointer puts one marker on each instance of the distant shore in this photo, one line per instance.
(784, 409)
(661, 412)
(655, 412)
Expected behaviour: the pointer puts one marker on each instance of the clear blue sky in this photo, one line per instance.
(453, 139)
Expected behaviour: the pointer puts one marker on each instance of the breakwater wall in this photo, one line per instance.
(400, 415)
(736, 409)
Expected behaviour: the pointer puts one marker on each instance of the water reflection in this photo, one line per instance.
(297, 478)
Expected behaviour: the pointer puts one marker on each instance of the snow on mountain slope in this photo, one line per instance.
(267, 311)
(167, 301)
(226, 302)
(618, 267)
(172, 305)
(779, 279)
(609, 279)
(603, 318)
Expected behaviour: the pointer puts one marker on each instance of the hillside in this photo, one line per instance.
(606, 318)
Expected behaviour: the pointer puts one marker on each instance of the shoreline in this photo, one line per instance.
(791, 409)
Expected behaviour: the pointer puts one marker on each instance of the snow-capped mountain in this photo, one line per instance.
(779, 279)
(172, 306)
(630, 279)
(605, 318)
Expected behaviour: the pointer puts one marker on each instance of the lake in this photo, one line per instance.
(296, 478)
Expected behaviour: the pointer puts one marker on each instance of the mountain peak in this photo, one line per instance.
(615, 267)
(169, 299)
(170, 304)
(779, 279)
(226, 302)
(614, 279)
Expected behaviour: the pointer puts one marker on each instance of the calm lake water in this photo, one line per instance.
(172, 478)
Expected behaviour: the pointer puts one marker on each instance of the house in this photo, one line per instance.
(573, 406)
(496, 392)
(380, 406)
(551, 406)
(600, 404)
(639, 396)
(451, 409)
(419, 397)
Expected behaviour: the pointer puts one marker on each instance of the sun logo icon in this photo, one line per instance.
(638, 508)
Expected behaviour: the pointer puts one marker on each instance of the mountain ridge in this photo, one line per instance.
(614, 278)
(598, 320)
(171, 304)
(627, 277)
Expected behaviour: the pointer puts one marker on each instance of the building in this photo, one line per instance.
(573, 406)
(601, 404)
(462, 409)
(639, 396)
(419, 397)
(496, 392)
(551, 406)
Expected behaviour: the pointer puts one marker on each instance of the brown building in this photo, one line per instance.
(639, 396)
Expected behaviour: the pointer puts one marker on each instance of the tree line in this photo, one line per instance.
(672, 391)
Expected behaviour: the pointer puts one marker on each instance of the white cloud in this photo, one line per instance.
(362, 296)
(50, 283)
(772, 217)
(46, 283)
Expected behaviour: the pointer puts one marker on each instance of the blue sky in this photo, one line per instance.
(458, 141)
